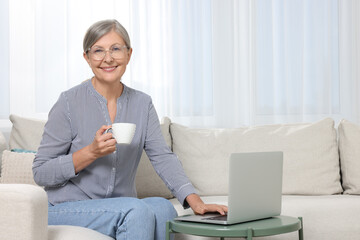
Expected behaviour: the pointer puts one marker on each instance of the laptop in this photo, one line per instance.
(255, 189)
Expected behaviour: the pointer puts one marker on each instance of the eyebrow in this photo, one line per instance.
(110, 46)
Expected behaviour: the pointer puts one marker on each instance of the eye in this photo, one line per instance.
(98, 51)
(116, 49)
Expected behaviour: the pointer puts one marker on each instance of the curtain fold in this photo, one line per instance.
(297, 60)
(233, 63)
(4, 60)
(349, 58)
(172, 55)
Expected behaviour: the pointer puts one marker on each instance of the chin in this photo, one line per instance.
(107, 79)
(112, 80)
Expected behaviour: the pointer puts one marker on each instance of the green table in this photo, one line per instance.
(259, 228)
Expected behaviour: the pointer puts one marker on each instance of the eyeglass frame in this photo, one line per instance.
(107, 50)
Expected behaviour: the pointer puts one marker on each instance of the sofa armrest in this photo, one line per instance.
(23, 212)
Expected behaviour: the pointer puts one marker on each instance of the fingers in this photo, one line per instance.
(101, 131)
(103, 144)
(101, 135)
(217, 208)
(222, 209)
(199, 207)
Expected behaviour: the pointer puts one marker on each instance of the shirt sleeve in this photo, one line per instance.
(53, 165)
(164, 161)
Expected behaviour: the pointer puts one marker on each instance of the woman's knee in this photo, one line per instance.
(138, 222)
(141, 211)
(161, 206)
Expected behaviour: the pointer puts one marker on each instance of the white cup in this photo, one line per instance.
(122, 132)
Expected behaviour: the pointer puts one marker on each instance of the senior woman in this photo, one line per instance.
(89, 179)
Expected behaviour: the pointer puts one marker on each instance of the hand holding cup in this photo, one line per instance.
(122, 132)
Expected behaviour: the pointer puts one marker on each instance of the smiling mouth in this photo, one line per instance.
(109, 69)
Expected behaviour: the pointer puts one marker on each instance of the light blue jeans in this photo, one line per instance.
(120, 218)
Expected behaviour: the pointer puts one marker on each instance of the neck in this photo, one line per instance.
(110, 91)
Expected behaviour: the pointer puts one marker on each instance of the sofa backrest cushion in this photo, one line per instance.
(311, 161)
(17, 168)
(26, 133)
(349, 146)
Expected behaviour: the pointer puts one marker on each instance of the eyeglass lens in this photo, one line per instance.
(116, 52)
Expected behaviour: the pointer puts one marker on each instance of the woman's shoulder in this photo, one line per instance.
(135, 94)
(77, 89)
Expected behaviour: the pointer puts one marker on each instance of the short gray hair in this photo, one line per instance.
(99, 29)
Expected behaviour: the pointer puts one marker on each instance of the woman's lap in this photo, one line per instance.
(120, 218)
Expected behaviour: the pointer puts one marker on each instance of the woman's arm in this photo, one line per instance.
(164, 161)
(169, 168)
(53, 164)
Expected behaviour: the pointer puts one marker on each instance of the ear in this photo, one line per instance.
(87, 58)
(129, 55)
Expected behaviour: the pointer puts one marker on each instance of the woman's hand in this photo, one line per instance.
(199, 207)
(102, 145)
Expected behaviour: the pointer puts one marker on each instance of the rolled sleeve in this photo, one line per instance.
(183, 192)
(67, 167)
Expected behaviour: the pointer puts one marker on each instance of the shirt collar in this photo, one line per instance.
(123, 97)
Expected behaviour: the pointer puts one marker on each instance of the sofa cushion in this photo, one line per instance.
(325, 217)
(349, 142)
(17, 168)
(26, 133)
(311, 161)
(65, 232)
(329, 217)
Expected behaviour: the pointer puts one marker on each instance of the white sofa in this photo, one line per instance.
(321, 176)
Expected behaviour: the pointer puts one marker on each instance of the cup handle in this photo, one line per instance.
(107, 130)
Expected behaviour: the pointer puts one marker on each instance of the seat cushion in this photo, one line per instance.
(330, 217)
(65, 232)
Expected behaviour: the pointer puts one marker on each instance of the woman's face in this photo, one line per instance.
(108, 69)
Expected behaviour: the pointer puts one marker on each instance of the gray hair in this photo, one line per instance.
(99, 29)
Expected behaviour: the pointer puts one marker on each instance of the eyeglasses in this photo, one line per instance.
(116, 52)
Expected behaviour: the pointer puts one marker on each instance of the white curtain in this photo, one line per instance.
(4, 60)
(172, 57)
(205, 63)
(297, 63)
(349, 59)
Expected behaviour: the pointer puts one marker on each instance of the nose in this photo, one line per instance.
(108, 57)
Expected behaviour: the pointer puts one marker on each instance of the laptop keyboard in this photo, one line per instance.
(219, 218)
